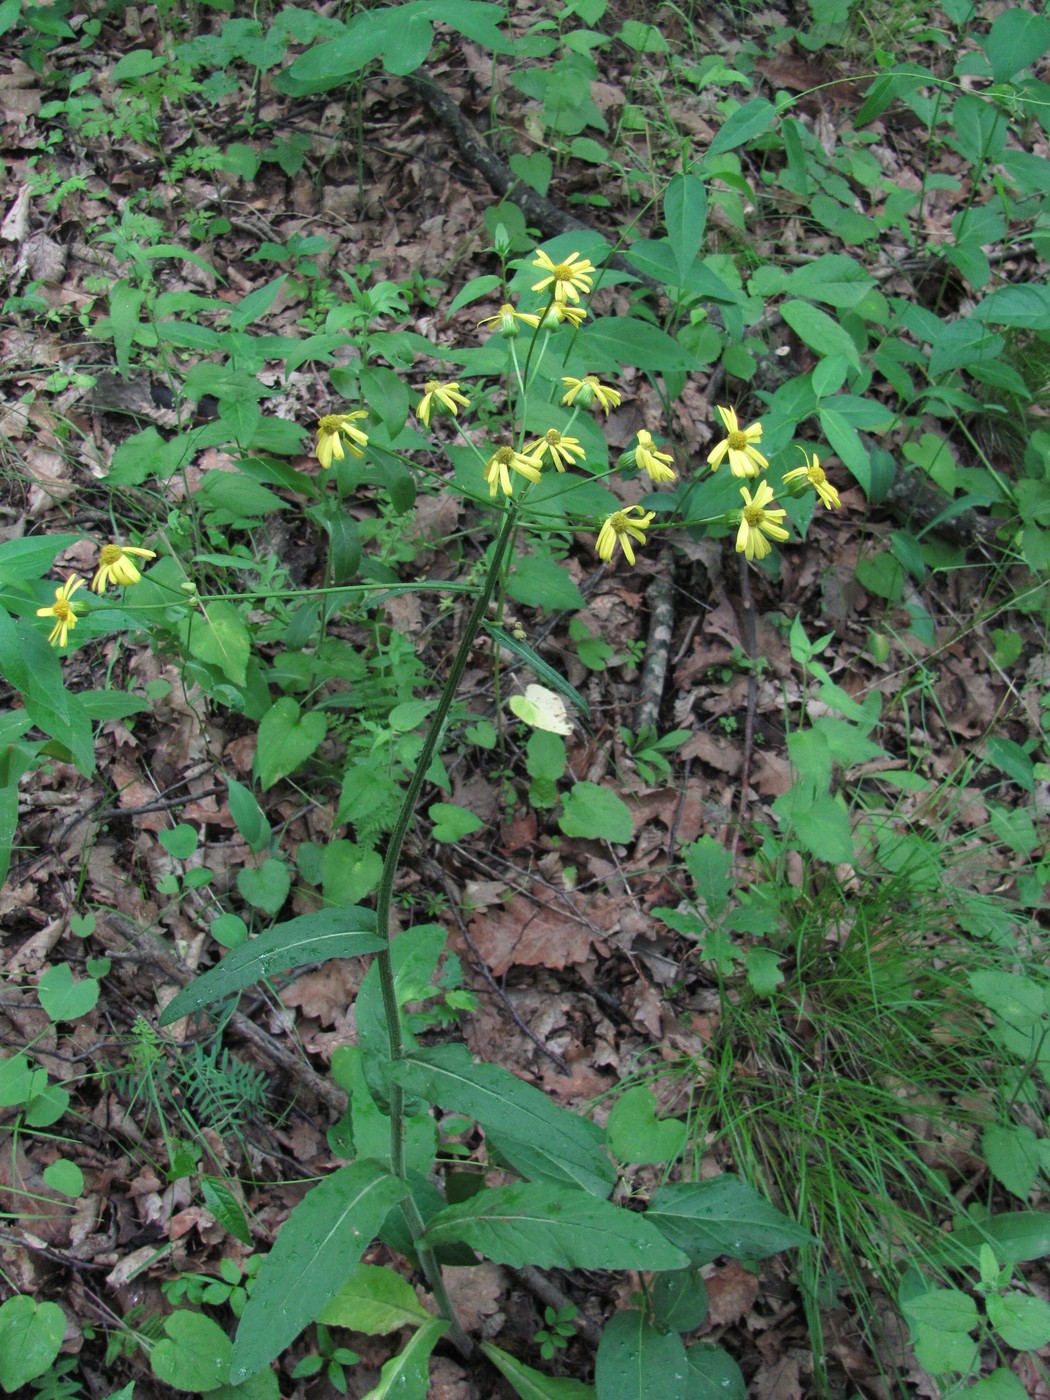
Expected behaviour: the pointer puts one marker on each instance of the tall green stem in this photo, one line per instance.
(395, 1033)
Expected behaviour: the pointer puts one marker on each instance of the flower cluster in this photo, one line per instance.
(116, 564)
(761, 518)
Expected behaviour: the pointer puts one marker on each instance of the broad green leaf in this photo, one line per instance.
(195, 1354)
(723, 1216)
(1012, 759)
(374, 1300)
(685, 215)
(1016, 39)
(287, 738)
(415, 954)
(64, 1176)
(452, 822)
(819, 331)
(539, 582)
(265, 888)
(349, 872)
(709, 863)
(842, 436)
(328, 933)
(635, 1134)
(595, 813)
(317, 1249)
(753, 119)
(819, 820)
(226, 1208)
(553, 1227)
(255, 305)
(568, 1146)
(637, 1362)
(1015, 1236)
(534, 1385)
(679, 1300)
(1000, 1385)
(624, 340)
(1023, 1322)
(30, 1336)
(124, 304)
(713, 1374)
(62, 996)
(220, 638)
(27, 559)
(406, 1376)
(1013, 1156)
(945, 1309)
(1022, 304)
(835, 279)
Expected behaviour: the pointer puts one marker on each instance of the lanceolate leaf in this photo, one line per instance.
(512, 1109)
(318, 1247)
(407, 1375)
(552, 1227)
(636, 1362)
(329, 933)
(534, 1385)
(722, 1216)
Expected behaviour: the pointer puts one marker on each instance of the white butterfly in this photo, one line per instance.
(542, 709)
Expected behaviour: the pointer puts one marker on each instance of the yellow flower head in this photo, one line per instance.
(757, 521)
(657, 464)
(620, 529)
(506, 318)
(115, 565)
(562, 449)
(570, 277)
(560, 312)
(446, 396)
(62, 611)
(589, 390)
(331, 432)
(815, 475)
(744, 458)
(505, 460)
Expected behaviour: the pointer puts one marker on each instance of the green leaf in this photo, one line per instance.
(195, 1355)
(318, 1247)
(544, 672)
(685, 215)
(226, 1208)
(534, 1385)
(125, 302)
(595, 813)
(753, 119)
(714, 1375)
(835, 279)
(818, 820)
(452, 822)
(267, 887)
(64, 1176)
(1000, 1385)
(406, 1376)
(1013, 1157)
(287, 738)
(1012, 759)
(349, 872)
(637, 1362)
(62, 996)
(25, 560)
(1022, 304)
(943, 1309)
(567, 1145)
(248, 816)
(635, 1134)
(179, 841)
(1015, 1236)
(679, 1300)
(328, 933)
(374, 1300)
(624, 340)
(219, 638)
(723, 1216)
(255, 305)
(30, 1336)
(817, 329)
(553, 1227)
(541, 583)
(1023, 1322)
(709, 863)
